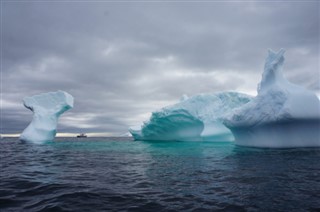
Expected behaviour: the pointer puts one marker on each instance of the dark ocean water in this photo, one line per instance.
(118, 174)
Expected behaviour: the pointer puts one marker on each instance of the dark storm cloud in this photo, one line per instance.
(122, 60)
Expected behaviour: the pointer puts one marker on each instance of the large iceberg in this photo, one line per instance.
(46, 110)
(281, 115)
(198, 118)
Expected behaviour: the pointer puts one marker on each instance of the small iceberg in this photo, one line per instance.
(196, 118)
(282, 115)
(46, 108)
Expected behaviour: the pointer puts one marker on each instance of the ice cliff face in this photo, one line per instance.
(194, 118)
(46, 110)
(281, 115)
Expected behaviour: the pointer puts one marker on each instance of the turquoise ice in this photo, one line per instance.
(196, 118)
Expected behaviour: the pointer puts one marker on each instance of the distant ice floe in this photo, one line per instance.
(282, 115)
(46, 108)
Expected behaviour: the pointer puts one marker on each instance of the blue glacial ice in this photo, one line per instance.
(196, 118)
(46, 108)
(282, 115)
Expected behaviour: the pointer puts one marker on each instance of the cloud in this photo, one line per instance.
(122, 60)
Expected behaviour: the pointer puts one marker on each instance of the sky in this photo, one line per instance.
(121, 60)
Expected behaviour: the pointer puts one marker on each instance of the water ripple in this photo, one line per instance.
(113, 174)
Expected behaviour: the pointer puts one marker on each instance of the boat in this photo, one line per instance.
(82, 135)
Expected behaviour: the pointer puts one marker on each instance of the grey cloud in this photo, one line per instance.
(120, 59)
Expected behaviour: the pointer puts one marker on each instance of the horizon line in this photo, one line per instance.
(13, 135)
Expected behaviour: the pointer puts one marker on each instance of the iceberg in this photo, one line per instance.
(282, 115)
(196, 118)
(46, 108)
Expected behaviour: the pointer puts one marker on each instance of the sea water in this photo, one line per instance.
(118, 174)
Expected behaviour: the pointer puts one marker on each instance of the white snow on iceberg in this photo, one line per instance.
(196, 118)
(281, 115)
(46, 110)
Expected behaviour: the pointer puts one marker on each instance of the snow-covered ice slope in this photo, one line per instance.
(46, 110)
(196, 118)
(281, 115)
